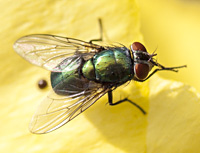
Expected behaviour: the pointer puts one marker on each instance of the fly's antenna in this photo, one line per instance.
(151, 56)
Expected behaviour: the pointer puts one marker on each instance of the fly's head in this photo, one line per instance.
(143, 62)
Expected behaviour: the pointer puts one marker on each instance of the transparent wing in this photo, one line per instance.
(57, 110)
(48, 51)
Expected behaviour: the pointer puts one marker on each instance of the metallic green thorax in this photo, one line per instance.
(110, 66)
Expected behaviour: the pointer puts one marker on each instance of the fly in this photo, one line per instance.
(81, 73)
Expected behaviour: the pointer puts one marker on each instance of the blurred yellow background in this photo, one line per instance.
(173, 121)
(172, 27)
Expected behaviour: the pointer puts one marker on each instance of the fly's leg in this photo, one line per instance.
(174, 69)
(110, 100)
(101, 32)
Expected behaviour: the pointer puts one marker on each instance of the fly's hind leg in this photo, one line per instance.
(101, 32)
(110, 100)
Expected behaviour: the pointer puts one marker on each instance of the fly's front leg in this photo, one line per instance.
(110, 101)
(101, 32)
(174, 69)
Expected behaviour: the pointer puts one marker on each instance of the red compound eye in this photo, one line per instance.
(141, 71)
(138, 47)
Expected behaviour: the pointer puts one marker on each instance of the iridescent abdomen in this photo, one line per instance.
(69, 81)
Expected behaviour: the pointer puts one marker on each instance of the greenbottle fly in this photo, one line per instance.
(81, 73)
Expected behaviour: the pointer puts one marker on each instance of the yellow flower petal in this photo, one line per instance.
(101, 128)
(172, 29)
(173, 118)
